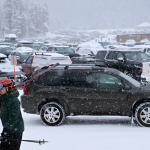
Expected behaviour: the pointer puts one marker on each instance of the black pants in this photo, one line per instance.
(13, 143)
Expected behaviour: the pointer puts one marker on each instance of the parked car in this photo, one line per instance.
(22, 53)
(144, 48)
(89, 48)
(7, 70)
(86, 90)
(88, 60)
(5, 50)
(38, 45)
(39, 60)
(65, 50)
(25, 43)
(127, 61)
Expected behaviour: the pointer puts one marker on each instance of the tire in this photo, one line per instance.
(52, 114)
(142, 114)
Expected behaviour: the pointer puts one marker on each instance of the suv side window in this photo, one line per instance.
(105, 81)
(101, 55)
(120, 55)
(78, 79)
(29, 60)
(50, 79)
(112, 55)
(50, 49)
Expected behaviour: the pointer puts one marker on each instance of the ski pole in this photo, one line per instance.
(34, 141)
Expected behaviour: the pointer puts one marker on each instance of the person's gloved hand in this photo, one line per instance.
(5, 135)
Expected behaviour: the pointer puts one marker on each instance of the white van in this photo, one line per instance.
(39, 60)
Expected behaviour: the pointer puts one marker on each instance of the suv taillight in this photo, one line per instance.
(25, 89)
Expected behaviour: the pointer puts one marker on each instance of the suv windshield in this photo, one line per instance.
(131, 80)
(25, 55)
(64, 49)
(136, 56)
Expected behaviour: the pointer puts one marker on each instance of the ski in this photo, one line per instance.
(35, 76)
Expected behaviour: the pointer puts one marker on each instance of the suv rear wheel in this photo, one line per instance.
(142, 114)
(52, 114)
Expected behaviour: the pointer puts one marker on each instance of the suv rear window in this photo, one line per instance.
(50, 79)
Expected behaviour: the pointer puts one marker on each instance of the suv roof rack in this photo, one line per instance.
(78, 66)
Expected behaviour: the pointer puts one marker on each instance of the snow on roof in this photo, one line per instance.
(50, 54)
(145, 24)
(145, 40)
(142, 46)
(1, 46)
(125, 50)
(25, 42)
(24, 49)
(10, 36)
(90, 44)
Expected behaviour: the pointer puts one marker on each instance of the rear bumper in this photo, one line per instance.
(28, 105)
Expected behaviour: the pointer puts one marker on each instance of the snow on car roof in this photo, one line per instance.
(10, 36)
(24, 49)
(50, 54)
(142, 46)
(1, 46)
(125, 49)
(25, 42)
(90, 44)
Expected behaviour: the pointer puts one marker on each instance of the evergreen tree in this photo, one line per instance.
(8, 16)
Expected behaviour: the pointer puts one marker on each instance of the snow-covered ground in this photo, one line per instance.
(85, 133)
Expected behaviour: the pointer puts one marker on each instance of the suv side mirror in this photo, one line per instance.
(121, 59)
(120, 86)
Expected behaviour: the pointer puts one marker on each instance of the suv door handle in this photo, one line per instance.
(64, 88)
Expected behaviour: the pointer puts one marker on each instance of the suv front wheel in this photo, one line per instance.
(142, 114)
(52, 114)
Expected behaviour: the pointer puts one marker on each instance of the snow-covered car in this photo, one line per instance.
(65, 50)
(5, 49)
(39, 60)
(25, 43)
(88, 49)
(7, 70)
(71, 90)
(22, 53)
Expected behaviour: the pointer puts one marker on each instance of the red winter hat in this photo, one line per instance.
(5, 82)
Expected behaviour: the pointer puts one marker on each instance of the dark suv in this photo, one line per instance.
(126, 61)
(86, 90)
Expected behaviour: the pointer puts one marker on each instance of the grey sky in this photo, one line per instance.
(96, 14)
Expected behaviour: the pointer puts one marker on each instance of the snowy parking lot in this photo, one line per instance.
(85, 133)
